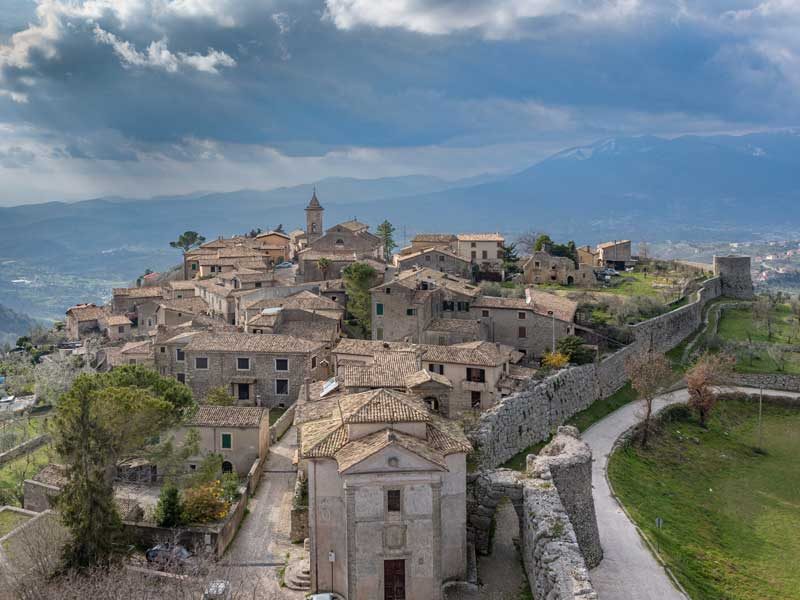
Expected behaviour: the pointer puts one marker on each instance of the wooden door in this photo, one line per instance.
(394, 580)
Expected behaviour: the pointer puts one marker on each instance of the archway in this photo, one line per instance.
(570, 280)
(227, 467)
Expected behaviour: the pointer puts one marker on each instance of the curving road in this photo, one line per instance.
(628, 570)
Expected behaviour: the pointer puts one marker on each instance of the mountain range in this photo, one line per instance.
(684, 188)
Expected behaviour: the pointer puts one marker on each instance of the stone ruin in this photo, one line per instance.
(559, 539)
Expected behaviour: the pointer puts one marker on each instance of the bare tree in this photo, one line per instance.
(762, 314)
(778, 354)
(526, 241)
(649, 373)
(702, 380)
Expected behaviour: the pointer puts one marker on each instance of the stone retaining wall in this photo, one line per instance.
(282, 425)
(775, 381)
(24, 448)
(529, 416)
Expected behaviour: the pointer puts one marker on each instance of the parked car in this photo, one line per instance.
(219, 589)
(610, 272)
(172, 556)
(284, 265)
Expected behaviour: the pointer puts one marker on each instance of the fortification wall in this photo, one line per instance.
(773, 381)
(530, 415)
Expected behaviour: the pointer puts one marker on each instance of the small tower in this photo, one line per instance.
(313, 218)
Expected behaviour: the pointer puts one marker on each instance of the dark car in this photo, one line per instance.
(172, 556)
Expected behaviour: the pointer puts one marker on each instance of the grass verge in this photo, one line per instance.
(729, 511)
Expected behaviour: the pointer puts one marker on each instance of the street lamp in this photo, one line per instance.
(553, 315)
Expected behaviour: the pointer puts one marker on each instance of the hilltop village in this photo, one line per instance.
(388, 384)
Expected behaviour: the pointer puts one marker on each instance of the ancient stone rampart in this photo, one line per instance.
(770, 381)
(559, 540)
(532, 414)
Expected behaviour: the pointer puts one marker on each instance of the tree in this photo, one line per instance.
(510, 259)
(763, 315)
(55, 375)
(555, 360)
(219, 396)
(102, 420)
(324, 265)
(169, 509)
(526, 241)
(205, 503)
(701, 380)
(542, 242)
(649, 373)
(386, 233)
(188, 240)
(575, 350)
(358, 279)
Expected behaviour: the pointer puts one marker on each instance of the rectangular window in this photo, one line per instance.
(388, 290)
(379, 333)
(181, 377)
(520, 315)
(484, 255)
(194, 266)
(441, 258)
(448, 305)
(379, 309)
(242, 364)
(428, 257)
(410, 312)
(476, 375)
(472, 244)
(258, 284)
(179, 355)
(473, 254)
(313, 362)
(522, 333)
(281, 364)
(201, 362)
(227, 441)
(484, 313)
(393, 500)
(536, 264)
(282, 387)
(436, 368)
(163, 349)
(463, 306)
(121, 329)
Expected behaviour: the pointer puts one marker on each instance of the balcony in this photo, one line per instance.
(474, 386)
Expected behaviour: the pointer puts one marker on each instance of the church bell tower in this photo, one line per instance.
(314, 218)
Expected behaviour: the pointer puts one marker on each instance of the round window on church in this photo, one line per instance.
(393, 461)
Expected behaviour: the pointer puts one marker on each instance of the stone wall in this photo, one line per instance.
(282, 425)
(532, 414)
(774, 381)
(559, 540)
(24, 448)
(38, 496)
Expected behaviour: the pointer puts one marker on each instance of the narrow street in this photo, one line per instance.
(260, 548)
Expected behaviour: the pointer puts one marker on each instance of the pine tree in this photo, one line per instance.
(386, 233)
(358, 279)
(169, 509)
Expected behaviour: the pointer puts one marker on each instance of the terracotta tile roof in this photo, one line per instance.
(52, 474)
(462, 326)
(116, 320)
(358, 450)
(480, 237)
(343, 256)
(144, 347)
(273, 232)
(150, 291)
(612, 244)
(86, 312)
(447, 436)
(541, 303)
(468, 353)
(227, 416)
(368, 347)
(383, 406)
(354, 225)
(414, 278)
(424, 376)
(250, 342)
(389, 369)
(194, 305)
(215, 288)
(306, 300)
(322, 438)
(434, 237)
(404, 257)
(317, 328)
(181, 284)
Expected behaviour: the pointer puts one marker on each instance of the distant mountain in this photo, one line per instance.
(13, 325)
(687, 188)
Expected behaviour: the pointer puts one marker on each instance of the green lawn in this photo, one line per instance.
(736, 324)
(9, 520)
(731, 528)
(14, 472)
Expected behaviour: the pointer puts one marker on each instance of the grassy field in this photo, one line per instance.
(9, 520)
(738, 325)
(635, 283)
(731, 528)
(275, 414)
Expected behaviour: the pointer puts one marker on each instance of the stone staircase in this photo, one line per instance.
(298, 575)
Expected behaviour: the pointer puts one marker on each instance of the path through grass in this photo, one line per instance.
(731, 526)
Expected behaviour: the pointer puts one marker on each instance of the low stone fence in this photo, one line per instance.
(282, 425)
(559, 540)
(24, 448)
(298, 530)
(772, 381)
(254, 475)
(530, 415)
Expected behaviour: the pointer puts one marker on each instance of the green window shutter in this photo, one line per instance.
(226, 441)
(379, 309)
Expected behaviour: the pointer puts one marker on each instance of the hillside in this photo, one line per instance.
(13, 325)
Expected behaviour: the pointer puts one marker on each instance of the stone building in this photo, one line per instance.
(423, 241)
(529, 324)
(404, 307)
(83, 320)
(387, 496)
(263, 370)
(171, 313)
(276, 246)
(239, 433)
(736, 276)
(616, 254)
(542, 267)
(304, 300)
(126, 301)
(439, 259)
(116, 327)
(179, 289)
(483, 249)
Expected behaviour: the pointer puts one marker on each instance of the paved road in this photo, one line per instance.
(628, 570)
(262, 542)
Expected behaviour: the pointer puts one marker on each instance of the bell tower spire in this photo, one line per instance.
(314, 212)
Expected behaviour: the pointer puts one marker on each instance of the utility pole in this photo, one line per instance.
(553, 315)
(760, 426)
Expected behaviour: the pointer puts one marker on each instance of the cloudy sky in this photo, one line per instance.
(148, 97)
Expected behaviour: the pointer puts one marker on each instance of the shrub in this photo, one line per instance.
(168, 510)
(205, 503)
(230, 487)
(575, 350)
(555, 360)
(219, 396)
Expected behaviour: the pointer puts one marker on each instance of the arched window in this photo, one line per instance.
(313, 228)
(227, 467)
